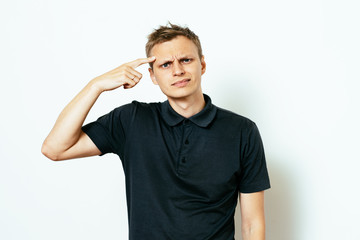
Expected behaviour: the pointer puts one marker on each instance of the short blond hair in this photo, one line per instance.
(169, 32)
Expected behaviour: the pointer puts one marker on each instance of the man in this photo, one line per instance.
(185, 160)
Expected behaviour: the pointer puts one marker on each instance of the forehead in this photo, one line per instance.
(178, 46)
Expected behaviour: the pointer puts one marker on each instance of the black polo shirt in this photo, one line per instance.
(182, 175)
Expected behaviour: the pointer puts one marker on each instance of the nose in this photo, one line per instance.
(178, 69)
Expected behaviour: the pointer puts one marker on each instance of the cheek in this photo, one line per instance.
(194, 69)
(160, 80)
(162, 76)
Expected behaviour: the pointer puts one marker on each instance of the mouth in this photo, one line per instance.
(181, 83)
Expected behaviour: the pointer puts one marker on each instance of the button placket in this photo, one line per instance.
(183, 156)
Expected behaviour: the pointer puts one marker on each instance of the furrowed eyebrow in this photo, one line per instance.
(165, 61)
(184, 58)
(161, 62)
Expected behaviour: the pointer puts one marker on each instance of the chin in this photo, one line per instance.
(180, 93)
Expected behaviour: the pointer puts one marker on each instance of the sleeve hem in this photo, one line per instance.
(100, 140)
(254, 188)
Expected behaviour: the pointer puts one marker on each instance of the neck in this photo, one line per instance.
(188, 106)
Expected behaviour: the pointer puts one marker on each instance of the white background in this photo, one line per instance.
(290, 66)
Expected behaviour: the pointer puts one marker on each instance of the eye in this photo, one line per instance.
(186, 60)
(165, 65)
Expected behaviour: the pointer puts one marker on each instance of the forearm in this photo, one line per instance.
(67, 128)
(253, 232)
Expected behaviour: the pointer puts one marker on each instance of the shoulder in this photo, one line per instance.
(139, 107)
(226, 116)
(136, 106)
(145, 105)
(139, 111)
(131, 111)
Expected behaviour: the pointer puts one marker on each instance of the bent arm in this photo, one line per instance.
(66, 140)
(252, 216)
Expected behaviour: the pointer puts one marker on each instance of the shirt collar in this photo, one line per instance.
(202, 119)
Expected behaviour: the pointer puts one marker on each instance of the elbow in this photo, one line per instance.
(253, 229)
(48, 152)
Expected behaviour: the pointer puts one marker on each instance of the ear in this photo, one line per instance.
(152, 76)
(203, 65)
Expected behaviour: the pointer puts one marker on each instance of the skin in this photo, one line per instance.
(177, 70)
(252, 216)
(66, 140)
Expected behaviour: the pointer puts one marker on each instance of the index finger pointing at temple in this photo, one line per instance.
(138, 62)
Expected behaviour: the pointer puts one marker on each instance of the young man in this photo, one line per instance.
(185, 160)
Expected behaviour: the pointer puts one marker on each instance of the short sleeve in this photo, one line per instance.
(253, 173)
(108, 131)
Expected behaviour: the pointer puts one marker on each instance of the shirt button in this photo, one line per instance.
(186, 142)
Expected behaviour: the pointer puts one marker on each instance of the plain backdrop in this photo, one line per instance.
(290, 66)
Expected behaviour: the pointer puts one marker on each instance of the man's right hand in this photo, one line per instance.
(124, 75)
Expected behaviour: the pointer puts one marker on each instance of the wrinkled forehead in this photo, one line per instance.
(178, 47)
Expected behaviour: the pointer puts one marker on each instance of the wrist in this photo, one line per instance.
(95, 87)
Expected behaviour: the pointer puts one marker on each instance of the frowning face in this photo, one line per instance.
(178, 68)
